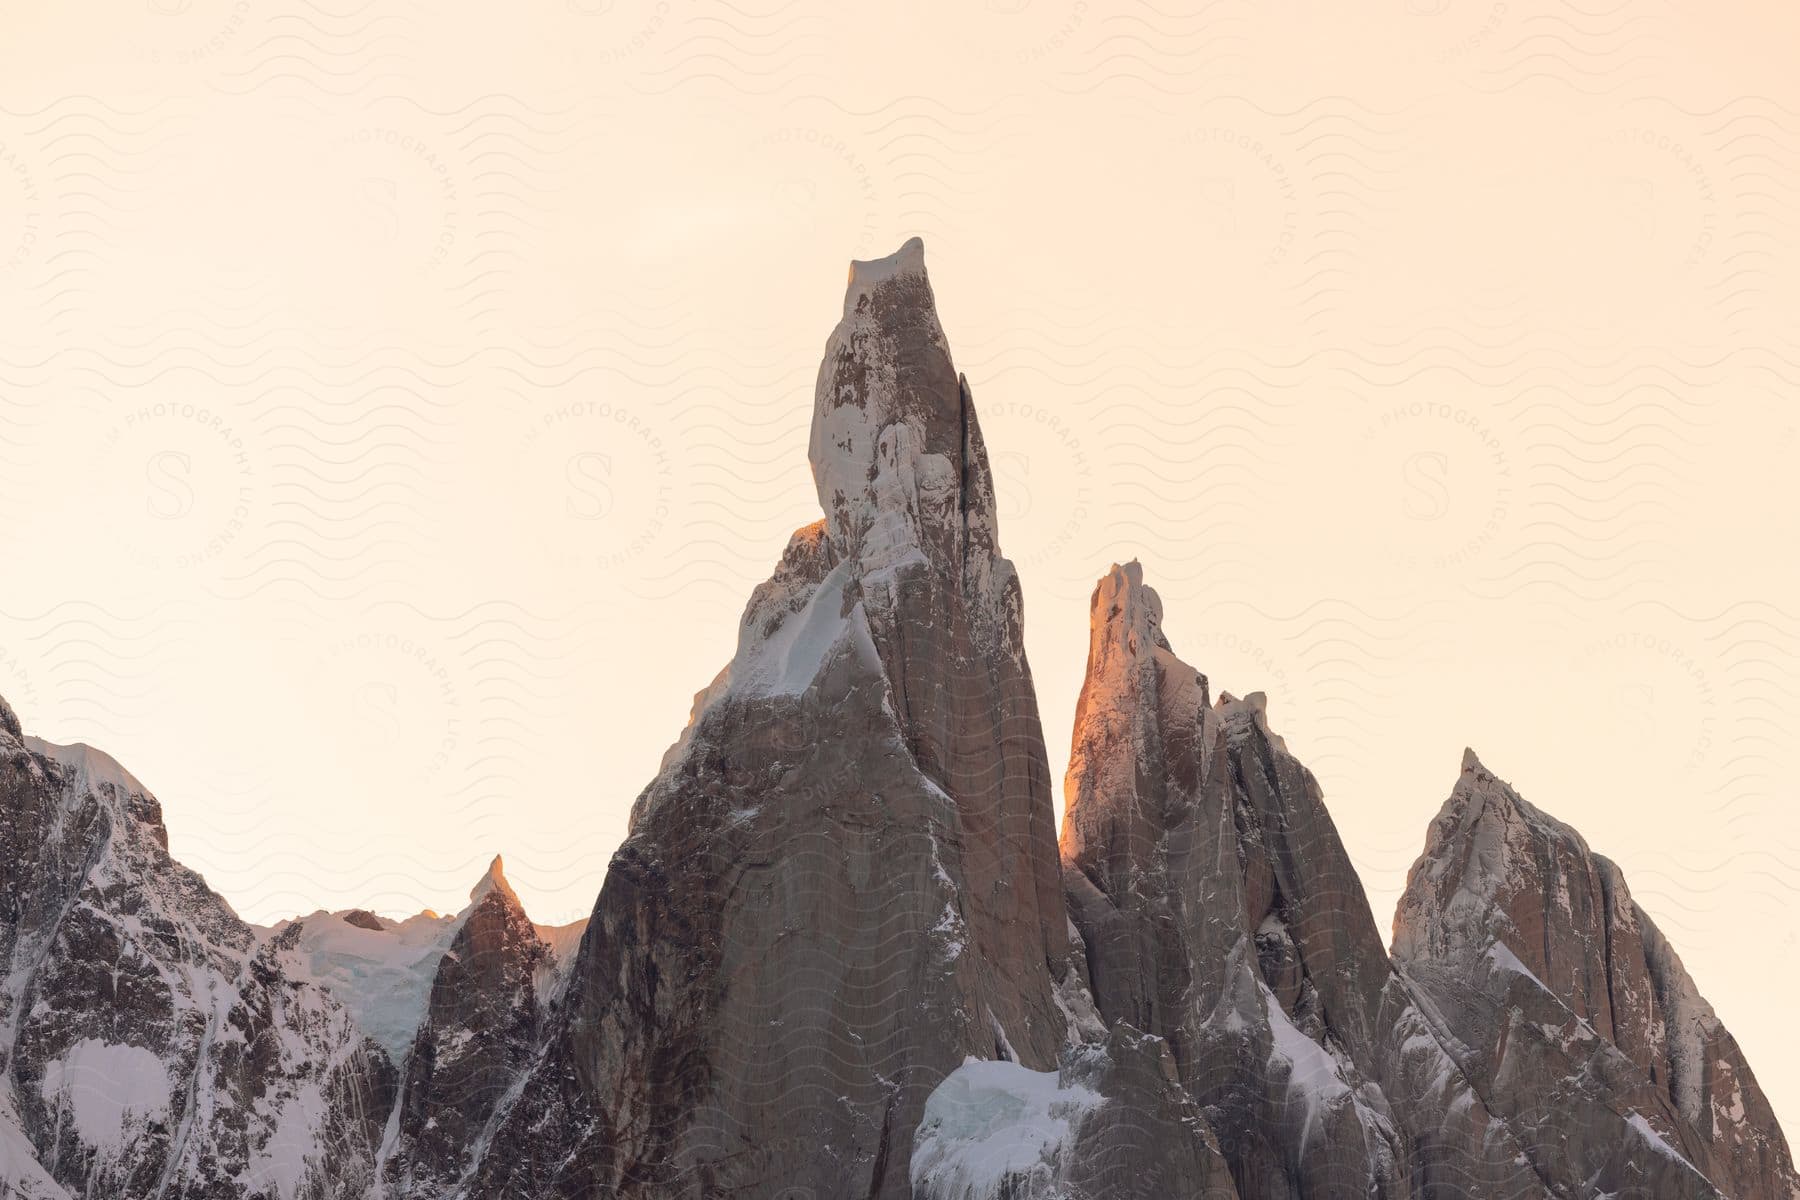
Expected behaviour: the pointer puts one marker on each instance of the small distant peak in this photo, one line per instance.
(1122, 594)
(494, 880)
(866, 274)
(9, 720)
(1132, 572)
(1255, 704)
(362, 918)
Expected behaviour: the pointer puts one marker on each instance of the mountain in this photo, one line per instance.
(1572, 1014)
(480, 1030)
(842, 951)
(1220, 912)
(844, 880)
(152, 1044)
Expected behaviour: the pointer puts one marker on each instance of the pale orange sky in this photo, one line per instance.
(399, 403)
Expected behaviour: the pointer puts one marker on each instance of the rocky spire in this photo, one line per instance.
(480, 1030)
(844, 879)
(494, 880)
(151, 1043)
(1574, 1016)
(9, 720)
(1221, 913)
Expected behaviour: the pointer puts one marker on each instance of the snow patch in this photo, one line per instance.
(383, 976)
(993, 1129)
(91, 767)
(790, 658)
(108, 1090)
(1645, 1130)
(1502, 956)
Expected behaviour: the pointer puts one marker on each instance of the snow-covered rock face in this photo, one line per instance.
(382, 974)
(1109, 1122)
(152, 1044)
(887, 435)
(1570, 1011)
(843, 880)
(472, 1047)
(993, 1125)
(1219, 911)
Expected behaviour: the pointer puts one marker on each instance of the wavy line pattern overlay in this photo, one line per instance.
(399, 402)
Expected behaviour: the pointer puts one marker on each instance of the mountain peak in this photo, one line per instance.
(866, 274)
(494, 879)
(9, 720)
(1124, 604)
(890, 444)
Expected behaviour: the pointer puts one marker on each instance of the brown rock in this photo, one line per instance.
(474, 1045)
(151, 1044)
(1572, 1015)
(844, 881)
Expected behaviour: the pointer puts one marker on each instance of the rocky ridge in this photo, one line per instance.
(842, 951)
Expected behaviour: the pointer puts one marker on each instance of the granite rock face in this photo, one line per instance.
(844, 881)
(151, 1044)
(1571, 1013)
(477, 1038)
(841, 952)
(1220, 912)
(1111, 1123)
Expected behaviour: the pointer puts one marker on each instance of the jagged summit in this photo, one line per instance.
(9, 720)
(865, 274)
(839, 952)
(1570, 1012)
(494, 880)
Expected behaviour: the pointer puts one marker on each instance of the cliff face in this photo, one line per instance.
(1220, 911)
(841, 952)
(151, 1043)
(844, 880)
(481, 1027)
(1572, 1014)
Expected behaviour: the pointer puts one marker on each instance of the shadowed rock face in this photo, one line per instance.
(844, 880)
(1572, 1014)
(1111, 1123)
(151, 1045)
(840, 955)
(477, 1039)
(1219, 911)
